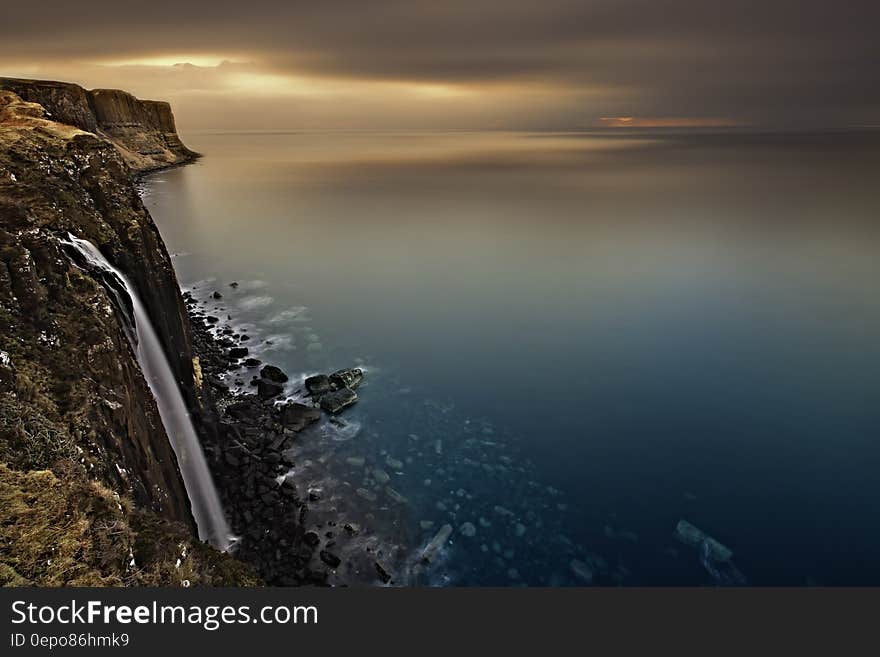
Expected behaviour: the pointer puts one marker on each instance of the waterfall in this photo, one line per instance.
(204, 501)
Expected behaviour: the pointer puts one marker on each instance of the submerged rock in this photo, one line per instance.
(436, 543)
(381, 476)
(468, 529)
(709, 547)
(581, 570)
(394, 495)
(334, 402)
(368, 495)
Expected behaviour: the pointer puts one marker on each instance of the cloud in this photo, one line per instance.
(790, 62)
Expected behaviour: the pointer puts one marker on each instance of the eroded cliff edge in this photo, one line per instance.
(90, 492)
(143, 131)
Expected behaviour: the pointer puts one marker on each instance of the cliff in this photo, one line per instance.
(81, 441)
(143, 131)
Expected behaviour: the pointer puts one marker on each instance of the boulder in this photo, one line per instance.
(238, 352)
(330, 559)
(347, 378)
(297, 416)
(334, 402)
(246, 410)
(383, 574)
(318, 384)
(273, 374)
(268, 389)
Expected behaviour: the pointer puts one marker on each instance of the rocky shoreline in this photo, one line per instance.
(247, 438)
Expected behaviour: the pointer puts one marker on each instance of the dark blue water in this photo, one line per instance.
(605, 335)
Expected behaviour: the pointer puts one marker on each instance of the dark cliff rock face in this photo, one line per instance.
(72, 396)
(143, 130)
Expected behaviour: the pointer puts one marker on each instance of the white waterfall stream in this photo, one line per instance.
(204, 501)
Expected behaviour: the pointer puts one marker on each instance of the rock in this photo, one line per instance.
(273, 374)
(246, 410)
(233, 284)
(318, 384)
(268, 390)
(330, 559)
(394, 463)
(520, 529)
(468, 529)
(334, 402)
(217, 295)
(581, 570)
(251, 362)
(238, 352)
(347, 378)
(394, 495)
(426, 524)
(311, 539)
(296, 416)
(383, 574)
(314, 494)
(381, 476)
(351, 528)
(436, 543)
(709, 547)
(368, 495)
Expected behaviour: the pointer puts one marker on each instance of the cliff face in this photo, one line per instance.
(143, 131)
(73, 399)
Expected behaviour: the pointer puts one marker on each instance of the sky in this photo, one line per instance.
(465, 64)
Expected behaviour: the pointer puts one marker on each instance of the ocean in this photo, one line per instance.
(572, 341)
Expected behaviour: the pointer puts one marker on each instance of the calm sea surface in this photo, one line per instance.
(572, 342)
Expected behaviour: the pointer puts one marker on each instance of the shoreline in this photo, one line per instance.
(248, 439)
